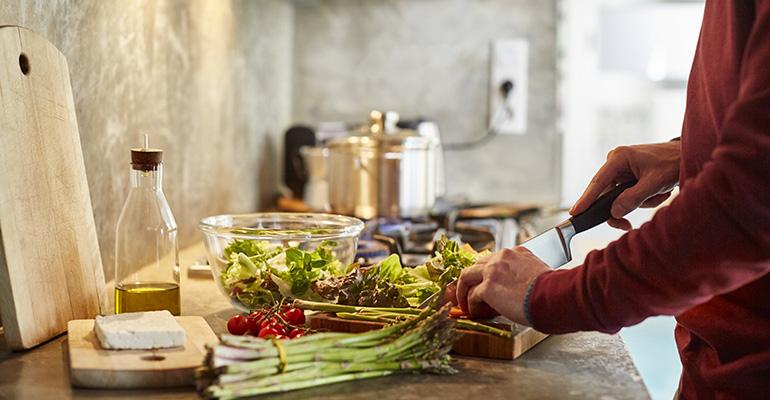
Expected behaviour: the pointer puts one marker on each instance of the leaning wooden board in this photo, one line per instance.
(472, 343)
(94, 367)
(50, 267)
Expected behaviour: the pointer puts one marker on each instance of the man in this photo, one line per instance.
(705, 258)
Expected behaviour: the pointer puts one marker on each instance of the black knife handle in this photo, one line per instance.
(599, 211)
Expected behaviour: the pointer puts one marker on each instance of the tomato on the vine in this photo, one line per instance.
(237, 325)
(296, 333)
(254, 319)
(294, 316)
(268, 331)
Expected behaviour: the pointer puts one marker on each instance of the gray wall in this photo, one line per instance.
(216, 82)
(208, 80)
(431, 58)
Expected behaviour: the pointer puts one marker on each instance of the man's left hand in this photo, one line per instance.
(499, 281)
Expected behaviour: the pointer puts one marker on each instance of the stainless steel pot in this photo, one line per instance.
(384, 172)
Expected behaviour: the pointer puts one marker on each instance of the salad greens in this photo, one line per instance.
(260, 273)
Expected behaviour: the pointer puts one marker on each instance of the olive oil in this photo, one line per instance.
(147, 296)
(146, 250)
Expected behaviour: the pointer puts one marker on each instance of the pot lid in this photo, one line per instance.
(383, 133)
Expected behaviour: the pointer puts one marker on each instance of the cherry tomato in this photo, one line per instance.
(280, 328)
(280, 337)
(237, 325)
(297, 333)
(268, 332)
(254, 319)
(294, 316)
(268, 322)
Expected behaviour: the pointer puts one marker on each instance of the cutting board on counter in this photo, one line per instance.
(91, 366)
(472, 343)
(50, 267)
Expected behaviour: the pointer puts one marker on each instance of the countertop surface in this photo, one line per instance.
(581, 365)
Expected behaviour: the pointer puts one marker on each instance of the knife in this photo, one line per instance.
(552, 246)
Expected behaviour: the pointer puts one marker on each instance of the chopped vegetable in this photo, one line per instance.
(390, 315)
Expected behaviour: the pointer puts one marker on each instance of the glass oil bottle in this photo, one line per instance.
(146, 251)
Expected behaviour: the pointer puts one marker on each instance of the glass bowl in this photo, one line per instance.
(305, 231)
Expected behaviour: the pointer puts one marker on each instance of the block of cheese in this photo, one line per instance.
(139, 331)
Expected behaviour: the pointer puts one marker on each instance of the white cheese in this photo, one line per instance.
(139, 331)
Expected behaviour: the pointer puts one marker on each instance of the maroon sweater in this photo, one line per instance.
(705, 258)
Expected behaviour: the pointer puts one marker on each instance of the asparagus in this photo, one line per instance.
(246, 366)
(390, 315)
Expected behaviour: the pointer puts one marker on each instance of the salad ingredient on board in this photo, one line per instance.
(391, 315)
(280, 321)
(238, 325)
(139, 331)
(241, 366)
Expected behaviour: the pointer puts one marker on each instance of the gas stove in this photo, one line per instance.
(414, 239)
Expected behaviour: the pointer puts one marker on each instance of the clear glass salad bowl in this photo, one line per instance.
(335, 237)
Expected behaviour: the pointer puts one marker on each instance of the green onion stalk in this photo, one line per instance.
(391, 315)
(243, 366)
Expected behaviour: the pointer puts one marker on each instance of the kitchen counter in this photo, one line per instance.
(582, 365)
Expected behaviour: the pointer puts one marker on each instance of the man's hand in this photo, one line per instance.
(499, 281)
(654, 166)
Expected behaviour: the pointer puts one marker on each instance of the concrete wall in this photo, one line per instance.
(431, 58)
(208, 80)
(216, 82)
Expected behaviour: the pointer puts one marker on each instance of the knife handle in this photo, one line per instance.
(599, 211)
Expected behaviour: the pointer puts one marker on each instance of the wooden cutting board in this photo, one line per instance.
(50, 267)
(472, 343)
(94, 367)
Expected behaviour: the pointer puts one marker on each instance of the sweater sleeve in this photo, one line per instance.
(713, 238)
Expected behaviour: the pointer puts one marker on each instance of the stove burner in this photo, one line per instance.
(372, 251)
(414, 240)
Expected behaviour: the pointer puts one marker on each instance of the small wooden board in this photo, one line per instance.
(472, 343)
(94, 367)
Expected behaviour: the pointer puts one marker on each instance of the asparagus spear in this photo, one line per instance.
(390, 315)
(244, 366)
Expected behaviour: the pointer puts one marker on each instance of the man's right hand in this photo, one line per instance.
(654, 166)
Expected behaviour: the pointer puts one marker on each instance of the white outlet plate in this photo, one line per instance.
(510, 61)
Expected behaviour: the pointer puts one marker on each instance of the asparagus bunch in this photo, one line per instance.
(241, 366)
(391, 315)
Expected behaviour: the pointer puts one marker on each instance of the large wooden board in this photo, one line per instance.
(94, 367)
(472, 343)
(50, 267)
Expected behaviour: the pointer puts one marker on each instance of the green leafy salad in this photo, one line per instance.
(259, 273)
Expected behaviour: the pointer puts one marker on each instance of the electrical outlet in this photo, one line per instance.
(510, 59)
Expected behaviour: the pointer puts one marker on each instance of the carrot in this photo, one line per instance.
(457, 312)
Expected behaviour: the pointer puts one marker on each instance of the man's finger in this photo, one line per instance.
(601, 181)
(477, 307)
(656, 200)
(620, 223)
(469, 278)
(632, 198)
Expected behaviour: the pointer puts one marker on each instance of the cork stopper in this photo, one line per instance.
(145, 158)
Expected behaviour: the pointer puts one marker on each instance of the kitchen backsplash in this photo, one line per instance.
(208, 80)
(215, 83)
(432, 57)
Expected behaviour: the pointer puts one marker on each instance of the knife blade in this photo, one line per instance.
(553, 245)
